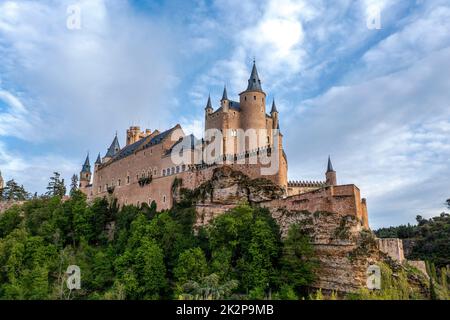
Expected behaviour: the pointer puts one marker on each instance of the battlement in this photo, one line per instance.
(307, 184)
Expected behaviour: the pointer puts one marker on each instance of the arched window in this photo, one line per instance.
(178, 169)
(164, 172)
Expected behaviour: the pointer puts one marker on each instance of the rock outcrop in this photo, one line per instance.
(332, 216)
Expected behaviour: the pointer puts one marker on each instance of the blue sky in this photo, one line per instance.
(378, 101)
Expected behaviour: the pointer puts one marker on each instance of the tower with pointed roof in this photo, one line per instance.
(113, 149)
(208, 108)
(330, 174)
(253, 105)
(85, 175)
(224, 102)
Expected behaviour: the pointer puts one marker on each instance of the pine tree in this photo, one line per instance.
(56, 186)
(14, 192)
(74, 184)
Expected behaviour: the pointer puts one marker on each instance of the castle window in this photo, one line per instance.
(99, 189)
(173, 170)
(164, 172)
(164, 199)
(154, 172)
(254, 97)
(245, 98)
(118, 182)
(183, 167)
(128, 179)
(178, 169)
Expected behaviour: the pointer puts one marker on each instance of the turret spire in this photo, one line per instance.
(330, 165)
(274, 107)
(208, 104)
(224, 95)
(99, 160)
(113, 149)
(86, 166)
(254, 83)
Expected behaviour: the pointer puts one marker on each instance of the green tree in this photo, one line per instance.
(74, 184)
(297, 261)
(56, 186)
(208, 288)
(191, 265)
(13, 192)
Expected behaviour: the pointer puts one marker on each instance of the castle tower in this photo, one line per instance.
(274, 115)
(85, 175)
(98, 162)
(253, 106)
(330, 174)
(208, 109)
(224, 102)
(113, 149)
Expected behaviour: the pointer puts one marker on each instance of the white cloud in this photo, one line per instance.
(388, 135)
(115, 71)
(34, 171)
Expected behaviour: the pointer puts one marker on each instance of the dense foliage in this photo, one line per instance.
(139, 253)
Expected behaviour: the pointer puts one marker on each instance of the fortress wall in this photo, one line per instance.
(341, 200)
(393, 247)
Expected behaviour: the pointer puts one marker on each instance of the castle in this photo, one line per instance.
(238, 134)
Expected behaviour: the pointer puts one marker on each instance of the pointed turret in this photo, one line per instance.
(99, 160)
(209, 109)
(330, 165)
(254, 83)
(224, 95)
(330, 174)
(113, 149)
(86, 166)
(85, 175)
(274, 107)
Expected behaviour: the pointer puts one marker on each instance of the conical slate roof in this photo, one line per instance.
(254, 83)
(99, 160)
(114, 148)
(86, 166)
(224, 95)
(208, 104)
(274, 107)
(330, 165)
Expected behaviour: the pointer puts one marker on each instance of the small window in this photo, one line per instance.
(254, 97)
(118, 182)
(178, 169)
(164, 172)
(164, 199)
(128, 179)
(245, 98)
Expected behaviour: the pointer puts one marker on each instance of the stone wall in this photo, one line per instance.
(393, 247)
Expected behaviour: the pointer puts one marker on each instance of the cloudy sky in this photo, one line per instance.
(377, 100)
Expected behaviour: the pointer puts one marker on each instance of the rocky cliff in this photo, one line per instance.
(343, 245)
